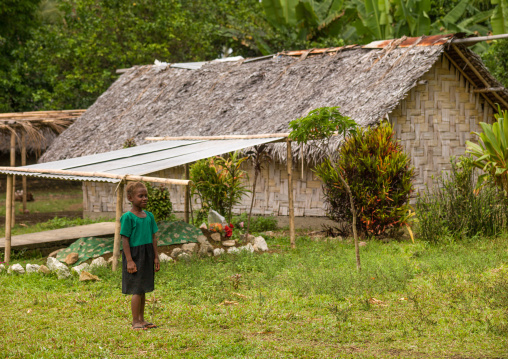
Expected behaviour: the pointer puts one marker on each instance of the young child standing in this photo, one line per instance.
(139, 258)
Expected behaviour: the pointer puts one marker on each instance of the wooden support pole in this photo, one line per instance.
(119, 211)
(187, 196)
(13, 184)
(474, 40)
(468, 78)
(23, 163)
(477, 73)
(489, 89)
(8, 219)
(302, 157)
(289, 160)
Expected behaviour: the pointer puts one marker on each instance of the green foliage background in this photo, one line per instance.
(456, 209)
(62, 54)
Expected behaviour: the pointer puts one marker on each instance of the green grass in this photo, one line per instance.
(408, 301)
(52, 201)
(55, 223)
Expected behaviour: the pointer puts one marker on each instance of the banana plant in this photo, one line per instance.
(491, 152)
(385, 19)
(499, 20)
(306, 17)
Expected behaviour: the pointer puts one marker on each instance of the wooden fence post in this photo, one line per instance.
(289, 160)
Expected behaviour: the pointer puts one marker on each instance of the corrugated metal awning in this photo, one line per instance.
(139, 160)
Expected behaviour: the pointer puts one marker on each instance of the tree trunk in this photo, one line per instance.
(353, 211)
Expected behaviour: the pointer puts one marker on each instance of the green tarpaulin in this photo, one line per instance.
(169, 233)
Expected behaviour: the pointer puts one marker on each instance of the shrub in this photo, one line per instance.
(380, 177)
(218, 182)
(257, 224)
(455, 208)
(492, 150)
(159, 202)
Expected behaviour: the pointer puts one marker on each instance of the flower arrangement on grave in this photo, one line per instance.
(225, 231)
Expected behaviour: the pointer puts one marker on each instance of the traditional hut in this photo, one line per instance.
(23, 132)
(433, 89)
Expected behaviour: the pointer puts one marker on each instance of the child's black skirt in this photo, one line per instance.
(142, 281)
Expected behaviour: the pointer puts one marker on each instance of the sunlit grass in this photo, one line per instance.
(49, 201)
(408, 301)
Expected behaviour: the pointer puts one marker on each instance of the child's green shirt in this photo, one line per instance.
(138, 230)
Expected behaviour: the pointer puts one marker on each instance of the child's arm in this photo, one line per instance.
(156, 258)
(131, 266)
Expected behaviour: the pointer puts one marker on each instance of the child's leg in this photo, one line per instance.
(136, 309)
(141, 316)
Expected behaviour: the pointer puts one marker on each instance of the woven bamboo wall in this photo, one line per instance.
(271, 196)
(436, 119)
(432, 123)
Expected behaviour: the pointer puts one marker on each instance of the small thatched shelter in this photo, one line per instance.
(39, 128)
(31, 131)
(433, 89)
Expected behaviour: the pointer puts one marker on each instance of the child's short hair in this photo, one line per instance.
(133, 186)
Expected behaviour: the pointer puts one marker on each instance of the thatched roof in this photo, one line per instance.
(252, 97)
(40, 127)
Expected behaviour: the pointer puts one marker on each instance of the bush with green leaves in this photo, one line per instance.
(159, 202)
(380, 177)
(491, 152)
(219, 183)
(456, 209)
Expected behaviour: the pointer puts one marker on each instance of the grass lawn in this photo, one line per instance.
(49, 201)
(410, 300)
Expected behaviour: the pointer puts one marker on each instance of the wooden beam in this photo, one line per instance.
(8, 219)
(468, 78)
(488, 89)
(97, 174)
(289, 160)
(474, 40)
(187, 196)
(477, 73)
(119, 211)
(42, 114)
(225, 137)
(23, 163)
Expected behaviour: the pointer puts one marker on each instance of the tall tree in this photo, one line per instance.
(17, 20)
(71, 58)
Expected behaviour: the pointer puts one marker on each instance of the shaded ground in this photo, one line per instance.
(33, 218)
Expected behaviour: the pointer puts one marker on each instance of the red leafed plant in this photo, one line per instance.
(380, 176)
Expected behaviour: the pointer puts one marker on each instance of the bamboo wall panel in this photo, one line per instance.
(436, 119)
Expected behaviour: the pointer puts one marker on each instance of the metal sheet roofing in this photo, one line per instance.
(140, 160)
